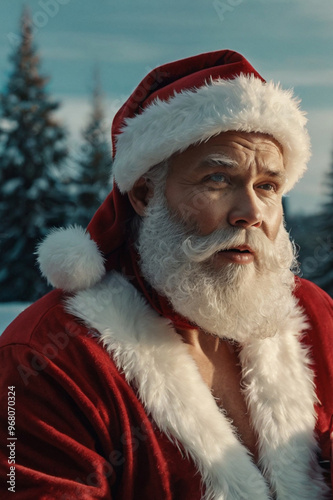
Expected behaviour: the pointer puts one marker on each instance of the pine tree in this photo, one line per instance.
(94, 162)
(323, 253)
(32, 153)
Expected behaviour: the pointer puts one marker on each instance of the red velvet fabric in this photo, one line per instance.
(319, 308)
(81, 430)
(109, 228)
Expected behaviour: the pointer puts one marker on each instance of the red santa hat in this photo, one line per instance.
(191, 100)
(175, 105)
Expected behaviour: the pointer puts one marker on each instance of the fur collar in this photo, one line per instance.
(278, 386)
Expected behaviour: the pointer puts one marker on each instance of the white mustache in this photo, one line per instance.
(201, 248)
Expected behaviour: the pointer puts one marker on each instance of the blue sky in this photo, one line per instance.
(290, 41)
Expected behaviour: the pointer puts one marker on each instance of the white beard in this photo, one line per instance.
(237, 302)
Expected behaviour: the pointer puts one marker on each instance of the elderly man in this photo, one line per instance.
(179, 357)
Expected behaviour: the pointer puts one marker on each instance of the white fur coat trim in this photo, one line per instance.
(243, 104)
(279, 391)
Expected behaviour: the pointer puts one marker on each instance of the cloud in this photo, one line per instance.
(104, 47)
(303, 77)
(322, 11)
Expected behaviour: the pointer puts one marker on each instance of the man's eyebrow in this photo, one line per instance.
(278, 174)
(218, 160)
(225, 161)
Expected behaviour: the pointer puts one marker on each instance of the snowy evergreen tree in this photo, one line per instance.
(32, 154)
(94, 162)
(323, 252)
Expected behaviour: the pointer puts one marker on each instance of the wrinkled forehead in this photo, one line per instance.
(231, 149)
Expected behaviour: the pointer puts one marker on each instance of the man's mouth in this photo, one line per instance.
(241, 249)
(240, 255)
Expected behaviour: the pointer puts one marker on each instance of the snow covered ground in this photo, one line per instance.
(9, 311)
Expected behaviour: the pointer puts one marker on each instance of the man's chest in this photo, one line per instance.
(221, 372)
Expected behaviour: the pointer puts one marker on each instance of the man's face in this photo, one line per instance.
(212, 239)
(233, 180)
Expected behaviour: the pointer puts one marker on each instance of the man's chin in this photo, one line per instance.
(227, 273)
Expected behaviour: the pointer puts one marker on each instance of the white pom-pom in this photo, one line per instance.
(70, 259)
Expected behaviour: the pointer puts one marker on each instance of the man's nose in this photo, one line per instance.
(245, 211)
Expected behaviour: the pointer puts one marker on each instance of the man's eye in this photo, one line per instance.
(268, 187)
(218, 178)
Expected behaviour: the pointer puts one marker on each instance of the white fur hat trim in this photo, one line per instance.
(244, 104)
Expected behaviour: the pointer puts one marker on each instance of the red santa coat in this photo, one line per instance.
(110, 405)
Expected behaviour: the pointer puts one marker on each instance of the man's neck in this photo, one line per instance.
(209, 352)
(199, 339)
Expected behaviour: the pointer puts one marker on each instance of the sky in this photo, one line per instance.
(290, 41)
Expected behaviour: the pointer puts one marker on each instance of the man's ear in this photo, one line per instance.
(140, 194)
